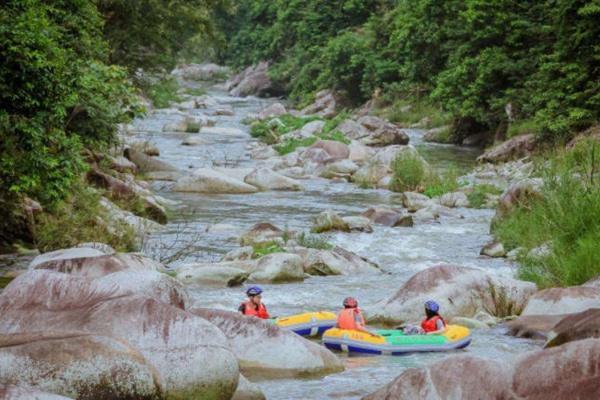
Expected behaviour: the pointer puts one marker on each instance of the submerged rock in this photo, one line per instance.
(358, 224)
(533, 326)
(265, 350)
(247, 390)
(329, 221)
(388, 216)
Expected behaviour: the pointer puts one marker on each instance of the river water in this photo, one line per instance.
(399, 251)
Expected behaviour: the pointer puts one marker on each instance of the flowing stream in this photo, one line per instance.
(399, 251)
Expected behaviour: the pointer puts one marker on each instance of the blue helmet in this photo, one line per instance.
(253, 291)
(432, 306)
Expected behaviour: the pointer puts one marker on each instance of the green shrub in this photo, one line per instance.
(567, 216)
(406, 113)
(78, 219)
(262, 249)
(313, 241)
(291, 145)
(269, 131)
(436, 185)
(478, 196)
(162, 92)
(336, 136)
(198, 91)
(409, 172)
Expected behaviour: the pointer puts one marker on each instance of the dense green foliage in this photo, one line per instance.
(488, 64)
(565, 220)
(65, 84)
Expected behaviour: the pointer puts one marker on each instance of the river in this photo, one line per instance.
(399, 251)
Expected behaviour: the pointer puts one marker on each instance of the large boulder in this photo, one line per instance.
(339, 168)
(353, 130)
(78, 365)
(358, 224)
(329, 221)
(565, 372)
(255, 81)
(266, 179)
(265, 350)
(359, 153)
(14, 392)
(92, 263)
(387, 216)
(336, 150)
(272, 111)
(325, 105)
(383, 133)
(152, 284)
(569, 371)
(583, 325)
(517, 147)
(533, 326)
(460, 291)
(415, 201)
(439, 382)
(219, 274)
(312, 128)
(176, 343)
(519, 194)
(370, 174)
(261, 232)
(558, 301)
(454, 199)
(205, 180)
(334, 262)
(277, 268)
(147, 163)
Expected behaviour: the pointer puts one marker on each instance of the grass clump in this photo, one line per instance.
(479, 194)
(162, 92)
(198, 91)
(80, 218)
(262, 249)
(409, 173)
(291, 145)
(269, 131)
(567, 215)
(436, 185)
(313, 242)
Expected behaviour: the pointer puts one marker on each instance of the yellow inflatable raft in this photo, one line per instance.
(308, 324)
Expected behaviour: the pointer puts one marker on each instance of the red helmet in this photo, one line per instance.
(350, 302)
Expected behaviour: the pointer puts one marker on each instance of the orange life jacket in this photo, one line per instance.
(347, 319)
(430, 325)
(250, 309)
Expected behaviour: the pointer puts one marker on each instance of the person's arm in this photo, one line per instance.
(242, 308)
(360, 324)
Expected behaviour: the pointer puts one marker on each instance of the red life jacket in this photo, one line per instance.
(250, 309)
(430, 325)
(347, 319)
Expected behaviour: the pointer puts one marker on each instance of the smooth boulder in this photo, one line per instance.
(266, 179)
(219, 274)
(557, 301)
(205, 180)
(277, 268)
(265, 350)
(176, 343)
(583, 325)
(334, 262)
(78, 365)
(460, 291)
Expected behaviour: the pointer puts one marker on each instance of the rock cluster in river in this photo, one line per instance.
(83, 323)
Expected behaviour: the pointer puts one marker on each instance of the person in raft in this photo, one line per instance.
(254, 306)
(351, 317)
(433, 323)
